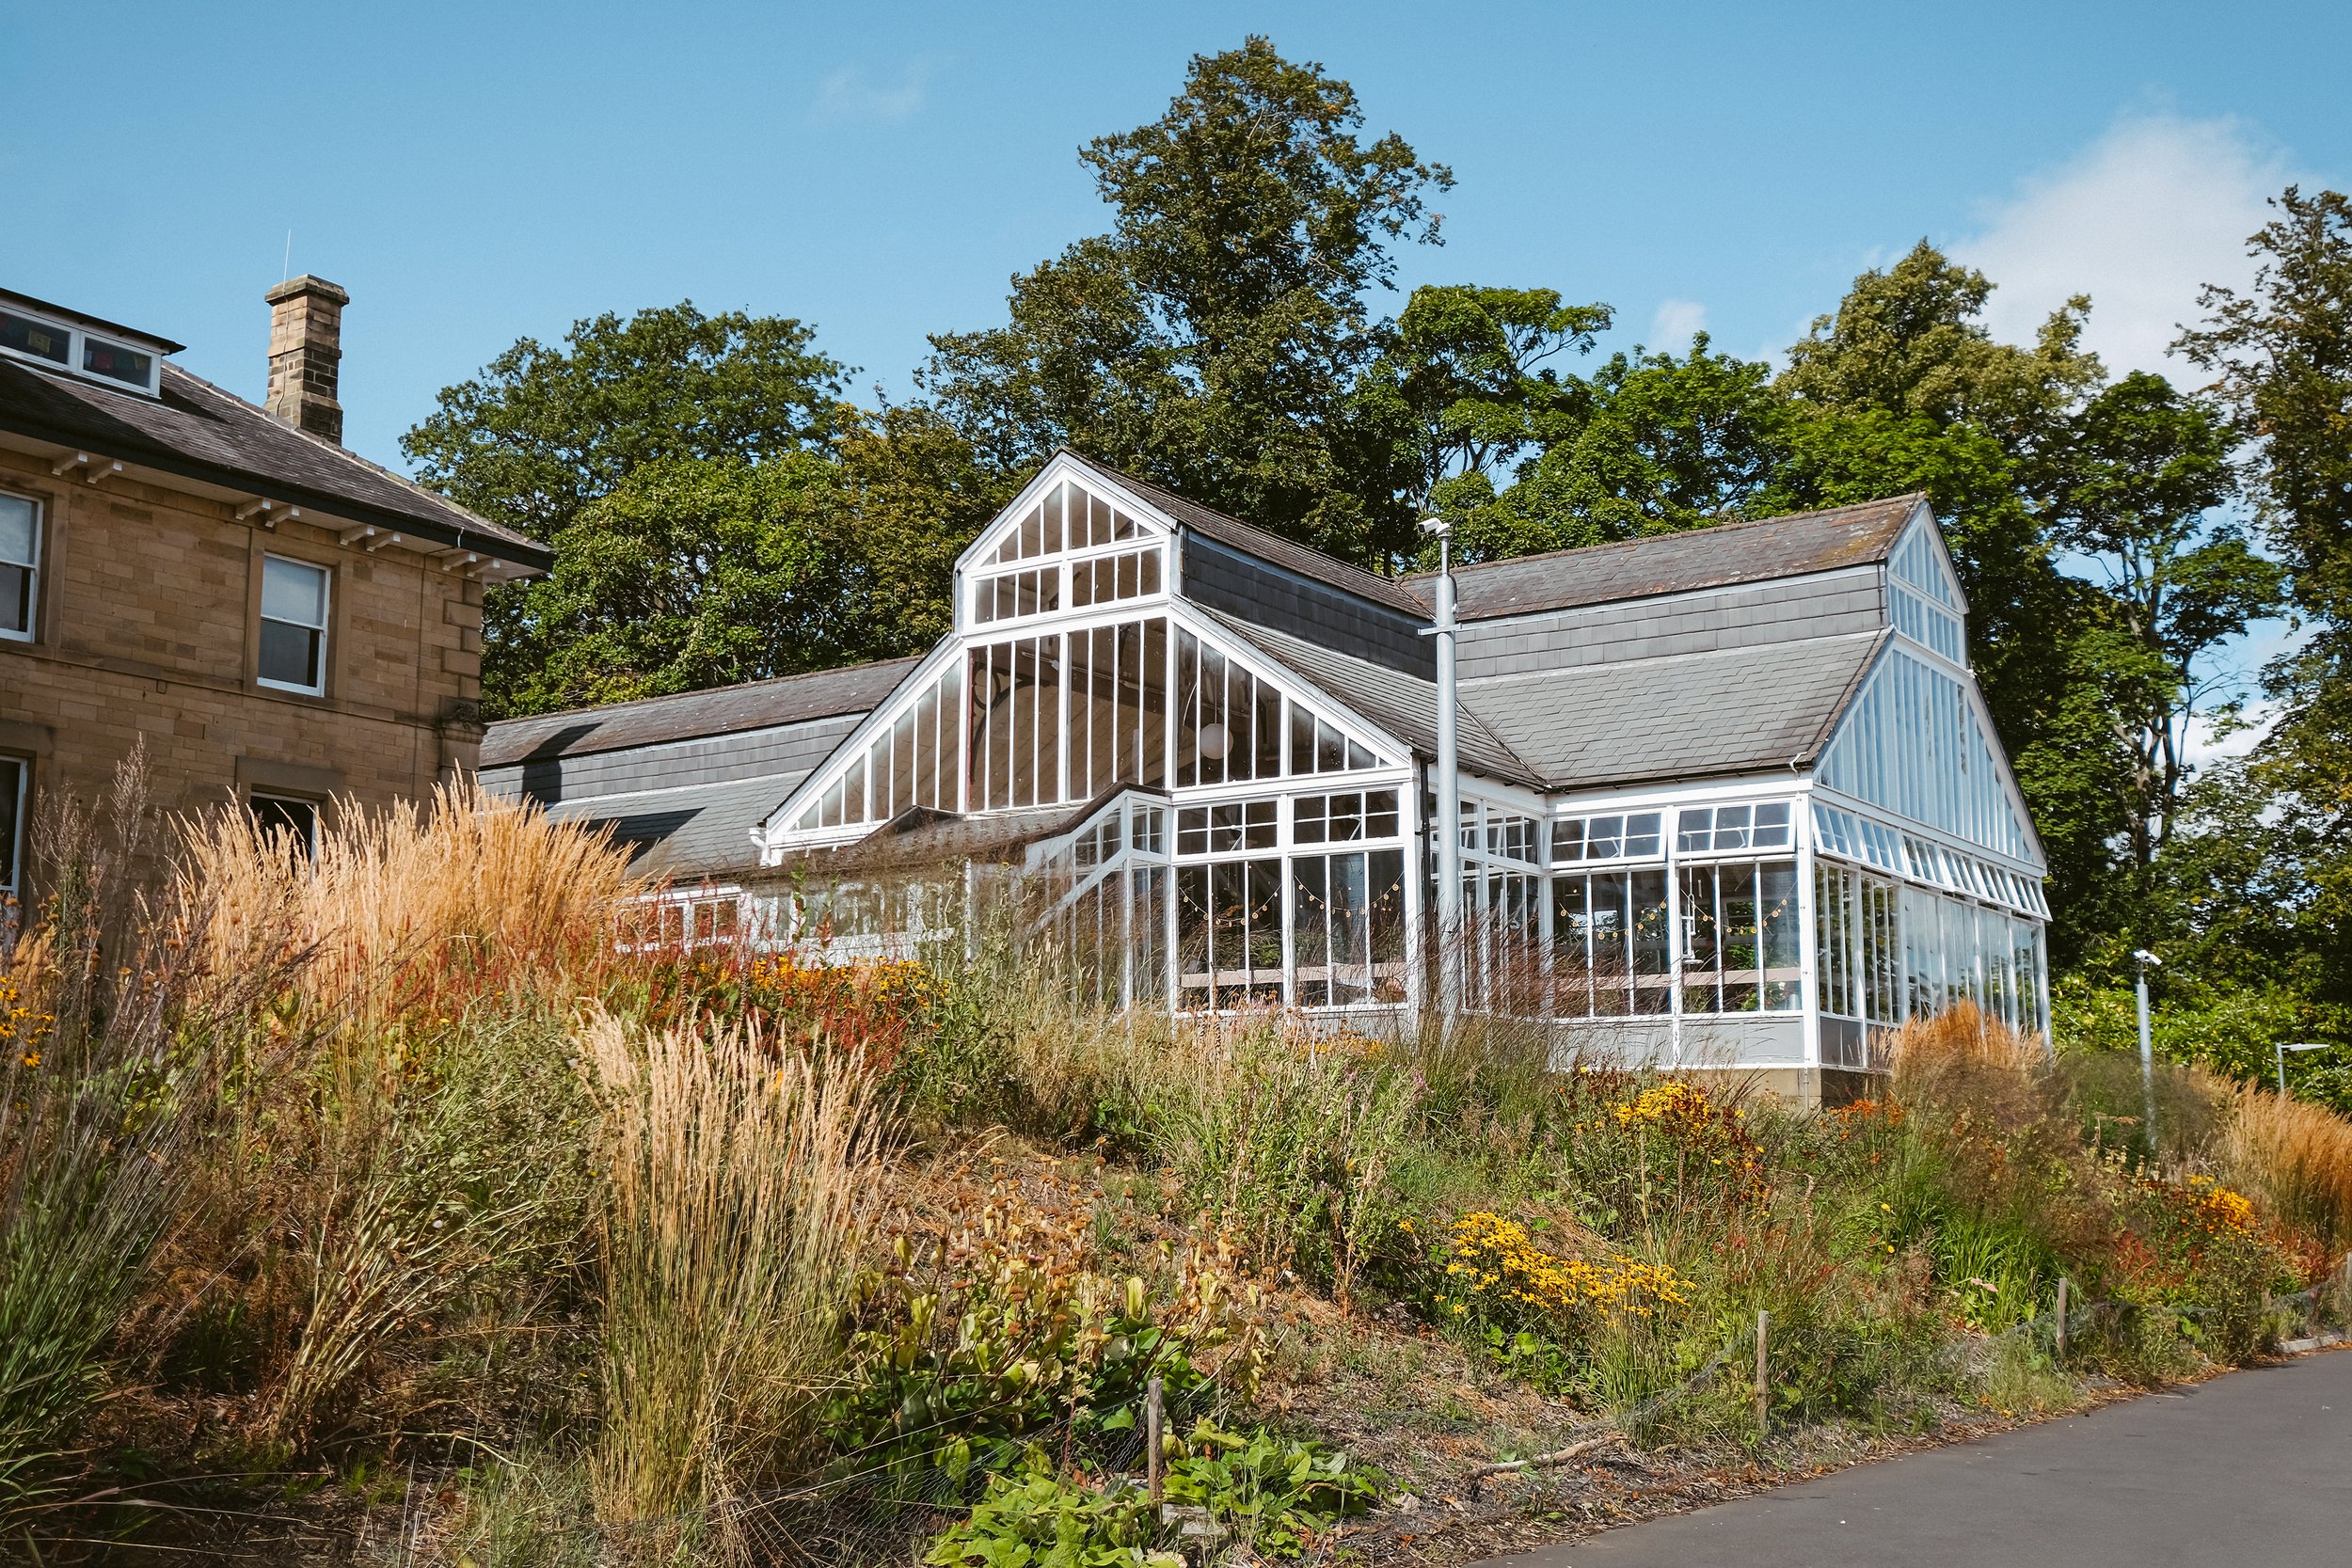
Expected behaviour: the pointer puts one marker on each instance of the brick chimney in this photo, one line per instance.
(306, 347)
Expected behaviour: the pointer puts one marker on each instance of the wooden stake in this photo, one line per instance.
(1763, 1377)
(2061, 1320)
(1151, 1441)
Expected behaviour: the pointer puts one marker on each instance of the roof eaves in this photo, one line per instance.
(150, 452)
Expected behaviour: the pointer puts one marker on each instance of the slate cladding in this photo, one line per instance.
(1221, 577)
(198, 431)
(1765, 550)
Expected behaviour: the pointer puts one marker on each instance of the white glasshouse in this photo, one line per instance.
(1730, 797)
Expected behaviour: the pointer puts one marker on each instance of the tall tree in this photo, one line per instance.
(2135, 485)
(2282, 357)
(1215, 338)
(1653, 444)
(543, 433)
(543, 430)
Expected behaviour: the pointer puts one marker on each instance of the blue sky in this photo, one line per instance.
(473, 173)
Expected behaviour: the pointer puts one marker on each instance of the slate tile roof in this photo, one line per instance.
(690, 715)
(685, 834)
(1733, 710)
(202, 431)
(1404, 705)
(1754, 551)
(1267, 546)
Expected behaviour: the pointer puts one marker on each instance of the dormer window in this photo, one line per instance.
(34, 339)
(118, 363)
(88, 349)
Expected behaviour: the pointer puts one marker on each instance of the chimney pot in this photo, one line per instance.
(306, 352)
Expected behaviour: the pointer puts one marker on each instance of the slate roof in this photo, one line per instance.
(198, 431)
(693, 715)
(1404, 705)
(1270, 548)
(685, 834)
(1733, 710)
(1727, 553)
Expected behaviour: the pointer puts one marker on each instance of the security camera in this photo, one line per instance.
(2143, 957)
(1437, 525)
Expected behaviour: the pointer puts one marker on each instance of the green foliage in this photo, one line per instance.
(2282, 354)
(1274, 1494)
(1290, 1144)
(1213, 340)
(1000, 1327)
(1034, 1518)
(544, 431)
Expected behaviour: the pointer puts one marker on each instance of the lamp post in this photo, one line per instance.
(1448, 827)
(2145, 960)
(2280, 1051)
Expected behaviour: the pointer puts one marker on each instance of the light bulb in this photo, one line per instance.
(1213, 740)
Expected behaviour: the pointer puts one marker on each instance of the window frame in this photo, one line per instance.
(325, 628)
(33, 567)
(12, 846)
(77, 341)
(254, 799)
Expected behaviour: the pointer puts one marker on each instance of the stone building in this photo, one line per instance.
(284, 622)
(1730, 797)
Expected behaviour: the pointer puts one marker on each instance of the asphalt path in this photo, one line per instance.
(2254, 1468)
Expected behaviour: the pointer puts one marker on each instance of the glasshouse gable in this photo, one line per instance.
(1730, 797)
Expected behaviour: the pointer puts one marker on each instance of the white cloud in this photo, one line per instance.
(848, 96)
(1676, 321)
(2139, 220)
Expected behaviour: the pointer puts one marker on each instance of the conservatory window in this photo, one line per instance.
(1317, 747)
(1229, 724)
(1612, 949)
(1515, 838)
(1067, 518)
(1016, 724)
(1228, 933)
(1630, 836)
(1348, 928)
(1037, 592)
(1224, 829)
(1707, 830)
(1345, 819)
(1740, 943)
(1107, 579)
(1118, 685)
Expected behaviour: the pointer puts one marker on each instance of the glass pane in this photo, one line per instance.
(1613, 955)
(11, 819)
(1731, 828)
(1642, 833)
(36, 338)
(1694, 831)
(1653, 943)
(117, 362)
(1330, 749)
(294, 591)
(1605, 839)
(1772, 826)
(290, 655)
(16, 599)
(1266, 724)
(17, 516)
(1567, 840)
